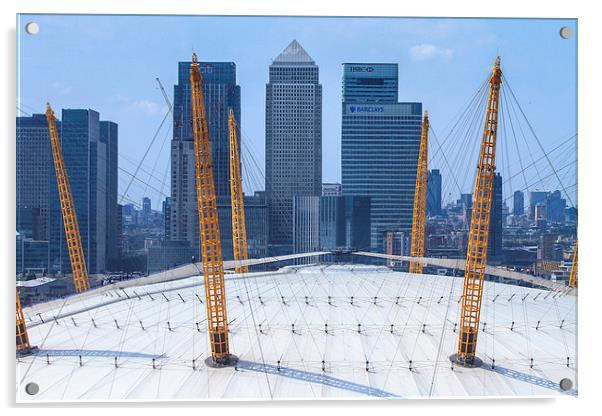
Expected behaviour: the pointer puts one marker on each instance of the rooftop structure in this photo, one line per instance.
(321, 331)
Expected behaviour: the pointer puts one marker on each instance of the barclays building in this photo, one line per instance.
(380, 146)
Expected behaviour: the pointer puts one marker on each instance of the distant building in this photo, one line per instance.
(494, 245)
(541, 216)
(109, 136)
(167, 218)
(306, 224)
(536, 198)
(34, 162)
(293, 145)
(332, 189)
(221, 93)
(518, 203)
(85, 160)
(146, 205)
(545, 247)
(570, 215)
(168, 255)
(256, 226)
(331, 222)
(433, 193)
(32, 255)
(380, 146)
(555, 206)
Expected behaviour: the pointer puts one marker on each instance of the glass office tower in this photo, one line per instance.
(380, 146)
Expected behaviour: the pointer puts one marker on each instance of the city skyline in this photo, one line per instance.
(130, 96)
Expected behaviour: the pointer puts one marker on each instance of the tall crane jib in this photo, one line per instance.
(239, 232)
(23, 345)
(573, 276)
(72, 236)
(419, 216)
(476, 256)
(213, 268)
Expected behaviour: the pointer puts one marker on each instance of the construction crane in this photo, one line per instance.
(72, 236)
(239, 231)
(573, 276)
(476, 256)
(389, 248)
(419, 216)
(23, 346)
(213, 267)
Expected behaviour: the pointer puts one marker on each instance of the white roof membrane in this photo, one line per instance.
(339, 331)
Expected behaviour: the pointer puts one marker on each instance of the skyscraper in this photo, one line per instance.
(380, 146)
(331, 222)
(495, 243)
(518, 203)
(84, 155)
(536, 198)
(109, 136)
(555, 206)
(34, 161)
(433, 193)
(220, 95)
(293, 140)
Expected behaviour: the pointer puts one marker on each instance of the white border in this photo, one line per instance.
(590, 371)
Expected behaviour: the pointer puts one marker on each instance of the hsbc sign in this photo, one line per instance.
(361, 69)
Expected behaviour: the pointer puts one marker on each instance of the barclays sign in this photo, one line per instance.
(355, 109)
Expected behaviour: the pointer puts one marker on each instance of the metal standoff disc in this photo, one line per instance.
(231, 362)
(32, 389)
(475, 363)
(566, 384)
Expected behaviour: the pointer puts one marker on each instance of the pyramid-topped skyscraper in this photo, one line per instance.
(293, 140)
(294, 54)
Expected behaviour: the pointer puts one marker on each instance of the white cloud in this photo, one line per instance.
(149, 107)
(427, 51)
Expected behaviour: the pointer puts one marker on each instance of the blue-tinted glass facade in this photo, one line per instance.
(370, 83)
(494, 245)
(109, 137)
(380, 146)
(220, 94)
(433, 193)
(84, 156)
(33, 163)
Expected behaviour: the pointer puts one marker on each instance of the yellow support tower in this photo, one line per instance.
(476, 256)
(213, 267)
(419, 216)
(72, 236)
(389, 248)
(573, 277)
(239, 231)
(23, 346)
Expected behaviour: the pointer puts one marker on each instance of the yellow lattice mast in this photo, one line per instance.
(419, 213)
(573, 277)
(72, 236)
(389, 248)
(239, 232)
(23, 346)
(213, 268)
(476, 256)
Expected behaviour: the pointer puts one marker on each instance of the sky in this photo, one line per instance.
(109, 64)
